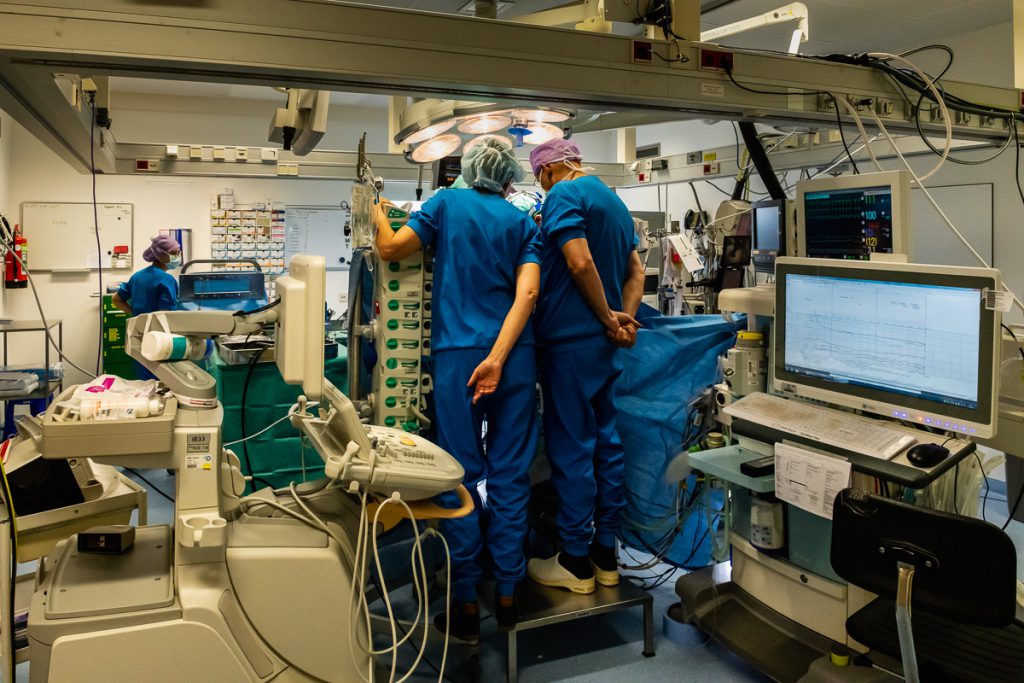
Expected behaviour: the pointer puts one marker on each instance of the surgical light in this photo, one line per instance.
(488, 123)
(541, 133)
(481, 138)
(541, 115)
(436, 148)
(429, 132)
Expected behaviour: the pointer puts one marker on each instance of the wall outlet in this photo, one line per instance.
(694, 157)
(711, 168)
(147, 166)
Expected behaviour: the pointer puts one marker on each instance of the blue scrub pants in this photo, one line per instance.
(582, 443)
(502, 459)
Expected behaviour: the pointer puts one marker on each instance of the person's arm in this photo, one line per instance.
(584, 273)
(633, 287)
(394, 245)
(120, 304)
(168, 299)
(486, 376)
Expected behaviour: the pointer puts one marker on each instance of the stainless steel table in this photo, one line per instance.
(540, 606)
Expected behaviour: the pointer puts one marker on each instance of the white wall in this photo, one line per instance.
(6, 133)
(159, 202)
(233, 122)
(983, 56)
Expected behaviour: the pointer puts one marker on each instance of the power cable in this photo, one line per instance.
(149, 483)
(96, 227)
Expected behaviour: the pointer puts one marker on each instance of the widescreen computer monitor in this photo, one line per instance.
(769, 225)
(915, 342)
(853, 217)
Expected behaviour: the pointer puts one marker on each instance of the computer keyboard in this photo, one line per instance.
(824, 425)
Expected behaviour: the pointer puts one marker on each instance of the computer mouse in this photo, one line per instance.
(927, 454)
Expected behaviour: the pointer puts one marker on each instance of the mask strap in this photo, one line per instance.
(573, 166)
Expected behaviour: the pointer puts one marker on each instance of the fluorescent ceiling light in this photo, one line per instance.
(436, 148)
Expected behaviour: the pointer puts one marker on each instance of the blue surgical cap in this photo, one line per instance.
(491, 165)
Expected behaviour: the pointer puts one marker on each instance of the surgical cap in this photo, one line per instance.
(459, 183)
(161, 248)
(552, 152)
(491, 165)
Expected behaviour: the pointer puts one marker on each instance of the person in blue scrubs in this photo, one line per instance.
(486, 283)
(591, 286)
(152, 288)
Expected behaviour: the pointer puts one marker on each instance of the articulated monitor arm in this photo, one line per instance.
(192, 385)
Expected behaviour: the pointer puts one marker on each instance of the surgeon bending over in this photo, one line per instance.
(486, 282)
(591, 286)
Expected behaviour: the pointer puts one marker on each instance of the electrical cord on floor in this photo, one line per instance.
(1016, 506)
(405, 635)
(149, 483)
(984, 477)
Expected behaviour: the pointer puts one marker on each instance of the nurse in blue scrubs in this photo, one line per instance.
(591, 285)
(486, 282)
(151, 289)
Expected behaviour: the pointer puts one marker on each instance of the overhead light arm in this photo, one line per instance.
(597, 16)
(796, 11)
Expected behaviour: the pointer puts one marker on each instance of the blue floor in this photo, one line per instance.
(604, 648)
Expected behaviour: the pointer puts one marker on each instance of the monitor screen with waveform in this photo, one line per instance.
(848, 223)
(907, 339)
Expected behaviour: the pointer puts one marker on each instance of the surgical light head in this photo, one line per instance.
(491, 165)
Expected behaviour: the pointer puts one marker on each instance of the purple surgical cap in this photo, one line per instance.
(552, 152)
(161, 248)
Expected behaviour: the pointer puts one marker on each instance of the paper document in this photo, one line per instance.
(809, 480)
(682, 246)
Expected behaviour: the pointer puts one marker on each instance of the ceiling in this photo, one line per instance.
(835, 26)
(859, 25)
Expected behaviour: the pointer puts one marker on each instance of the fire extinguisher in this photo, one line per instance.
(14, 271)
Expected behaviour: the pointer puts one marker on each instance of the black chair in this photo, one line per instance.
(958, 575)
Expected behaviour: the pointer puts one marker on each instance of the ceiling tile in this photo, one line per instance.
(968, 17)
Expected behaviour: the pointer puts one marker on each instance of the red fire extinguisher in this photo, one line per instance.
(14, 272)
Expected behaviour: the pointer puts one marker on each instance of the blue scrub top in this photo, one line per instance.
(479, 241)
(587, 208)
(149, 290)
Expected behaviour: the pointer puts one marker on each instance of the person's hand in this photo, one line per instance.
(485, 378)
(624, 337)
(619, 319)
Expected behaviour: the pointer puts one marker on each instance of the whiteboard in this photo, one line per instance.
(969, 208)
(62, 236)
(318, 230)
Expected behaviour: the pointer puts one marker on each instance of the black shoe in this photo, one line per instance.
(507, 616)
(579, 565)
(603, 557)
(465, 622)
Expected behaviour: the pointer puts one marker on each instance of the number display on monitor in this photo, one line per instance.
(849, 224)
